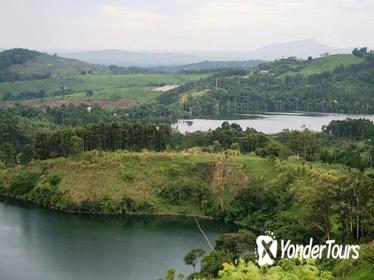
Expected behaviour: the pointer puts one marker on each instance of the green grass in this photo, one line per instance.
(329, 63)
(141, 175)
(138, 94)
(95, 82)
(56, 66)
(134, 88)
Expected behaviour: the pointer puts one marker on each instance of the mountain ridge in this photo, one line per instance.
(300, 48)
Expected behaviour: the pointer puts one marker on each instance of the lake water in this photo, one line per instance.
(39, 244)
(269, 122)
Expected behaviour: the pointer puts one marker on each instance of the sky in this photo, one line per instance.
(183, 25)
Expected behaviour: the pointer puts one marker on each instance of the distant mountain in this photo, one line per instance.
(127, 58)
(23, 64)
(301, 49)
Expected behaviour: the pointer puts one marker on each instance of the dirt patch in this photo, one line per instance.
(165, 88)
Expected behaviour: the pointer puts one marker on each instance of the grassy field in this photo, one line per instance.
(131, 87)
(141, 175)
(329, 63)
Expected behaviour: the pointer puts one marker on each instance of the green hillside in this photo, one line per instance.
(113, 90)
(336, 83)
(56, 66)
(156, 177)
(329, 63)
(24, 64)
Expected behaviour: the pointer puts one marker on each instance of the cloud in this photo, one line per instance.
(184, 24)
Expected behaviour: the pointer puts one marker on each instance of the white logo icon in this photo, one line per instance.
(266, 249)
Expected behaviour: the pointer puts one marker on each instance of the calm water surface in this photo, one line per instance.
(269, 122)
(37, 244)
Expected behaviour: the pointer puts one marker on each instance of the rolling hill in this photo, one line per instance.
(300, 48)
(57, 66)
(23, 64)
(338, 83)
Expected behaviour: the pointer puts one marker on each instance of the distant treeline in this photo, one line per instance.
(133, 136)
(355, 129)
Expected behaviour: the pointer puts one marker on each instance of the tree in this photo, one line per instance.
(76, 145)
(89, 92)
(193, 256)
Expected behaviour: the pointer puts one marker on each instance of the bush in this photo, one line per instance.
(23, 183)
(48, 195)
(181, 192)
(127, 205)
(127, 176)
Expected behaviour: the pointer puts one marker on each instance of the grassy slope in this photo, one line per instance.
(130, 86)
(141, 175)
(329, 63)
(57, 66)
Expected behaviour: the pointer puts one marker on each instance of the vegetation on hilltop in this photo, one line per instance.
(336, 83)
(285, 85)
(24, 64)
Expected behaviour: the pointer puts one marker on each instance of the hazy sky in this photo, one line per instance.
(183, 24)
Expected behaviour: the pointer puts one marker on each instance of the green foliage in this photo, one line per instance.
(113, 136)
(193, 256)
(170, 274)
(347, 269)
(212, 264)
(23, 183)
(184, 191)
(240, 244)
(255, 203)
(46, 195)
(76, 145)
(286, 269)
(323, 85)
(355, 129)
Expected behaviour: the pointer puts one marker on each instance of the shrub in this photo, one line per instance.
(23, 183)
(127, 205)
(127, 176)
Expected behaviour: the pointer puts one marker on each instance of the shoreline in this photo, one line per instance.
(15, 201)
